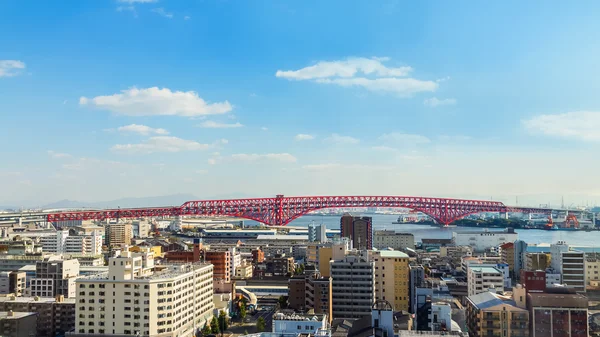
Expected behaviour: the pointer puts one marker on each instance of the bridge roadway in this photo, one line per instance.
(280, 210)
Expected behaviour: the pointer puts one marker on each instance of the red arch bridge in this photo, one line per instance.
(280, 210)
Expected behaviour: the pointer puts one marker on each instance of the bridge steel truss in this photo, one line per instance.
(280, 210)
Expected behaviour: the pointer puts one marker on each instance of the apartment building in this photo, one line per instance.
(392, 280)
(55, 316)
(353, 285)
(359, 230)
(310, 291)
(61, 242)
(489, 314)
(221, 261)
(244, 270)
(118, 234)
(138, 298)
(507, 252)
(317, 233)
(570, 264)
(592, 267)
(390, 239)
(484, 279)
(558, 312)
(258, 255)
(13, 282)
(55, 276)
(18, 324)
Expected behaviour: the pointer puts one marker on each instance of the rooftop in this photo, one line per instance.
(487, 270)
(283, 237)
(34, 299)
(15, 315)
(172, 271)
(488, 299)
(391, 253)
(553, 300)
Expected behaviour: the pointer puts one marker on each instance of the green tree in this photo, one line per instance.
(260, 324)
(206, 330)
(223, 321)
(243, 311)
(282, 301)
(214, 325)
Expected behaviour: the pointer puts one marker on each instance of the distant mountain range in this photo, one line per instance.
(156, 201)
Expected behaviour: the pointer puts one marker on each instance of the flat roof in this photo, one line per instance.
(283, 237)
(391, 253)
(488, 270)
(33, 299)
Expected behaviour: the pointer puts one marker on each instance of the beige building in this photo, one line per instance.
(136, 297)
(483, 279)
(55, 276)
(335, 251)
(244, 270)
(118, 234)
(13, 282)
(391, 277)
(592, 267)
(391, 239)
(489, 314)
(537, 261)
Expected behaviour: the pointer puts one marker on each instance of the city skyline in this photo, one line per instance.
(135, 98)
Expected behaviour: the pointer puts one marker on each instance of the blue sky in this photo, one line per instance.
(107, 99)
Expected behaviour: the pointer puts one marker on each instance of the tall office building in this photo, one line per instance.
(138, 298)
(353, 286)
(359, 230)
(391, 277)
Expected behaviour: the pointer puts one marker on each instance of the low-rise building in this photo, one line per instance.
(18, 324)
(484, 279)
(533, 281)
(391, 239)
(489, 314)
(55, 316)
(298, 323)
(484, 240)
(243, 271)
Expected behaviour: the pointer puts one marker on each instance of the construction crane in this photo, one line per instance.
(571, 221)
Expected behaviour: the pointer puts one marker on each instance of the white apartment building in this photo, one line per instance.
(353, 285)
(483, 240)
(244, 270)
(482, 279)
(391, 239)
(53, 277)
(61, 242)
(298, 323)
(317, 233)
(138, 298)
(570, 264)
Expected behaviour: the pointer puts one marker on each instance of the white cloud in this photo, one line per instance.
(137, 1)
(161, 11)
(217, 125)
(344, 68)
(435, 102)
(400, 86)
(264, 128)
(165, 144)
(337, 166)
(156, 101)
(9, 68)
(253, 157)
(187, 17)
(403, 138)
(57, 155)
(320, 167)
(384, 148)
(581, 125)
(443, 79)
(338, 139)
(302, 136)
(142, 129)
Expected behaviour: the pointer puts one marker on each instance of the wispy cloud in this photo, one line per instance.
(254, 157)
(187, 17)
(302, 136)
(217, 125)
(338, 166)
(370, 74)
(127, 9)
(165, 144)
(157, 101)
(435, 102)
(161, 11)
(142, 129)
(58, 155)
(339, 139)
(399, 138)
(580, 125)
(264, 128)
(10, 68)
